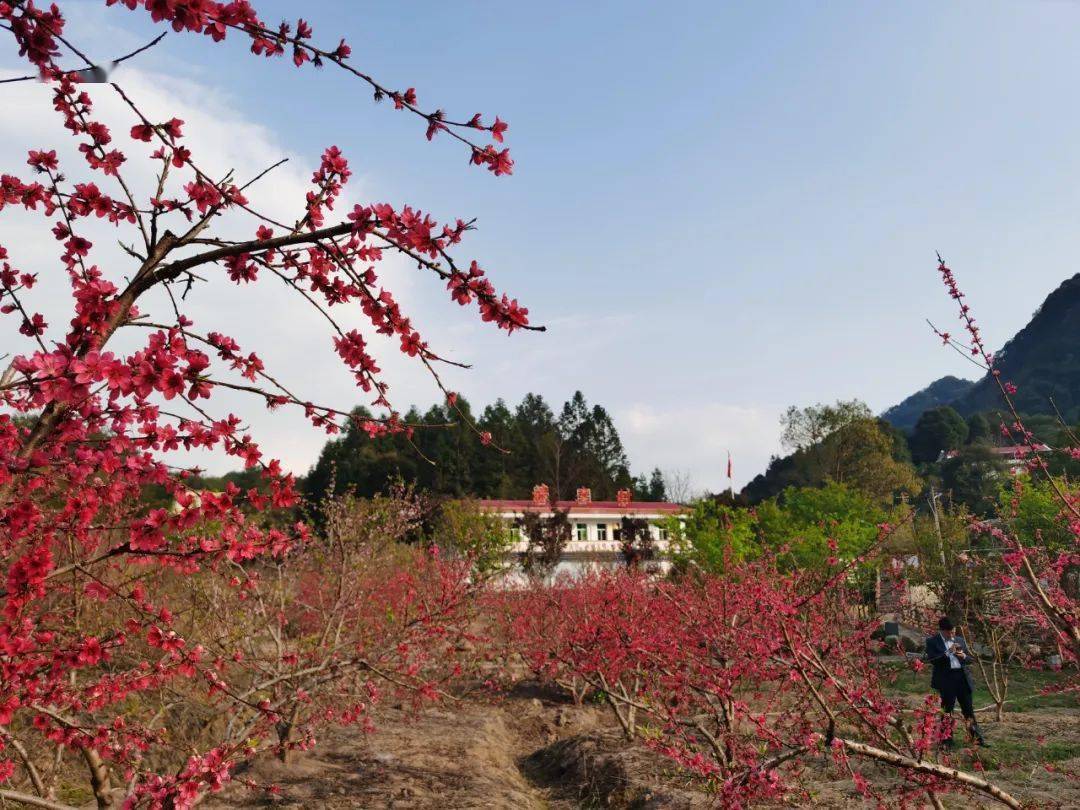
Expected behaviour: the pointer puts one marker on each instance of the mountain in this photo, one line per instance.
(939, 392)
(1042, 360)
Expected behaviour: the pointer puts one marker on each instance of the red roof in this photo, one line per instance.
(1018, 451)
(574, 506)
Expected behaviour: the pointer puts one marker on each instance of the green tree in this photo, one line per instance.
(1034, 513)
(804, 520)
(712, 537)
(805, 427)
(496, 474)
(861, 455)
(978, 428)
(355, 463)
(974, 477)
(589, 451)
(462, 528)
(938, 430)
(443, 454)
(652, 488)
(842, 443)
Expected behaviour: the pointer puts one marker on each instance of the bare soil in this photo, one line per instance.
(534, 749)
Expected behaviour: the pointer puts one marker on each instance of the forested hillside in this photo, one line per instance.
(942, 391)
(1043, 361)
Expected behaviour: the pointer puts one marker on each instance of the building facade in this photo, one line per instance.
(596, 527)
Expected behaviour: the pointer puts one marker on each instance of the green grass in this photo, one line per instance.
(1026, 688)
(1022, 754)
(1013, 746)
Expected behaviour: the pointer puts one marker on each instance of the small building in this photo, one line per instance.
(595, 539)
(1015, 455)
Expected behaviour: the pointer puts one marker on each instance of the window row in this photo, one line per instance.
(601, 534)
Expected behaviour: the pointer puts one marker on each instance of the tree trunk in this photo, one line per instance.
(100, 781)
(923, 766)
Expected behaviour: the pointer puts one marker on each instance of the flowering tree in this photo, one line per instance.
(356, 611)
(998, 623)
(90, 572)
(1036, 575)
(741, 679)
(581, 633)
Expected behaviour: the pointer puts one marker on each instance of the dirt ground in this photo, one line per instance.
(529, 749)
(533, 749)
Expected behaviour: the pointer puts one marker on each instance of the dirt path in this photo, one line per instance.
(533, 750)
(469, 754)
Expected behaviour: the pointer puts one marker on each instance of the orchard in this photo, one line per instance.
(117, 617)
(157, 637)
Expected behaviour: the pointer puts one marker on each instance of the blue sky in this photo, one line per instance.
(720, 209)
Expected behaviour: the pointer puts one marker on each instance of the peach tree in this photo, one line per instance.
(90, 620)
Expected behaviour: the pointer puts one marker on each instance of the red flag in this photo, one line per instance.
(729, 465)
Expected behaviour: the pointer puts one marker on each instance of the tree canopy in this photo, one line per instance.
(938, 430)
(511, 451)
(841, 443)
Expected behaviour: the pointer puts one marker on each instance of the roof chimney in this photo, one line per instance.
(540, 495)
(584, 496)
(623, 497)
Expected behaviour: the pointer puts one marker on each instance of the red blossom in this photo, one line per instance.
(89, 428)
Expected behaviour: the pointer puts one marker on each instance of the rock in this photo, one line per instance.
(893, 633)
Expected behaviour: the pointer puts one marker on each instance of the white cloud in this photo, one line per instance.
(585, 349)
(292, 338)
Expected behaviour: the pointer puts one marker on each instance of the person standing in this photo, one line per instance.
(950, 657)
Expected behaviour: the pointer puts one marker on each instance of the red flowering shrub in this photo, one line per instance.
(109, 606)
(739, 678)
(318, 637)
(1037, 576)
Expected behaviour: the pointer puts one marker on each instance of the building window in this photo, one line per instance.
(601, 532)
(582, 533)
(661, 532)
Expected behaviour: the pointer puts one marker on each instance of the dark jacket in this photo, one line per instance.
(936, 656)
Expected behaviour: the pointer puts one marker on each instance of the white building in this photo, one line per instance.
(596, 526)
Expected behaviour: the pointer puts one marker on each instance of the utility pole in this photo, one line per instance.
(937, 527)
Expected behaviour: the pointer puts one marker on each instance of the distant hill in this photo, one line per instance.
(939, 392)
(1042, 360)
